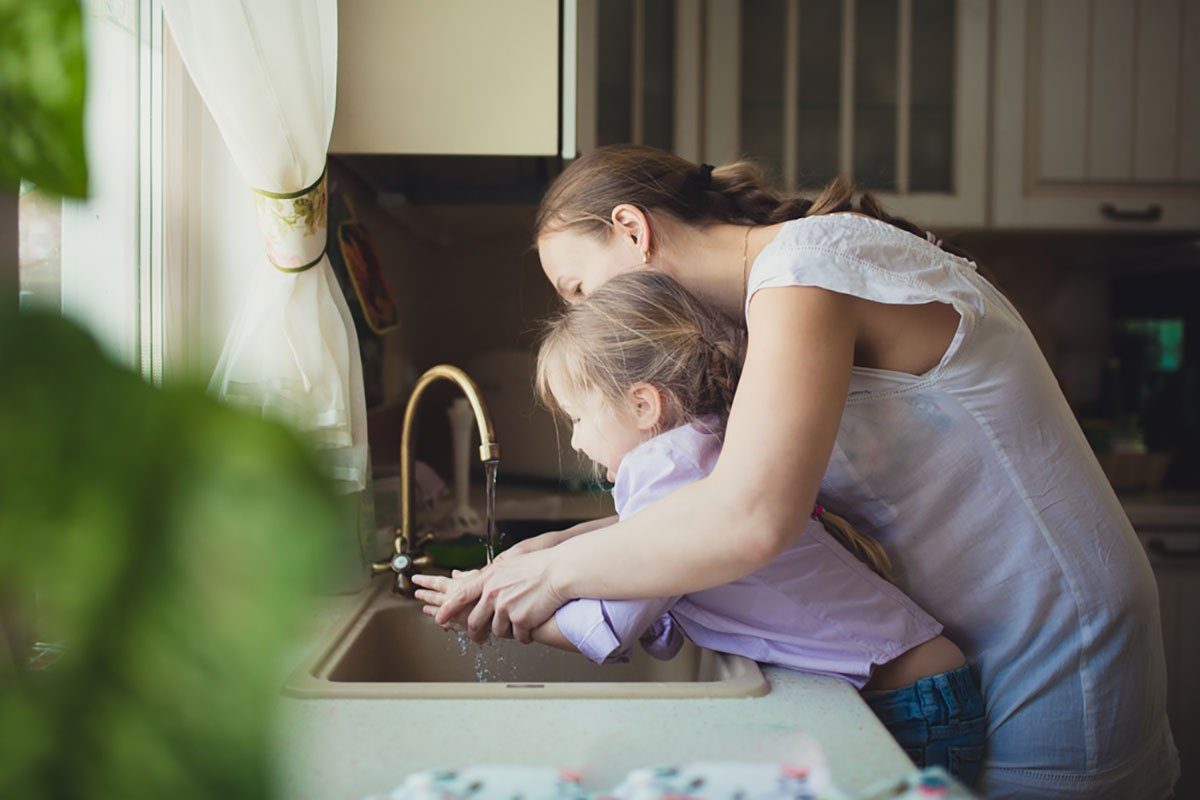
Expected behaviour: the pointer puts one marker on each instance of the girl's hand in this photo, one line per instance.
(515, 596)
(436, 589)
(456, 596)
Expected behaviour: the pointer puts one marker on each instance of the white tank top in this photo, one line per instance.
(1000, 523)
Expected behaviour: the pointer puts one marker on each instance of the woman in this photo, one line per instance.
(886, 375)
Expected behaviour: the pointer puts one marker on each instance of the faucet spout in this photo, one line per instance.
(406, 543)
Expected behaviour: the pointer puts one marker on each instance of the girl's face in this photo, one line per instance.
(598, 431)
(577, 263)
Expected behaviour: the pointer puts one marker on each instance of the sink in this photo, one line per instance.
(388, 649)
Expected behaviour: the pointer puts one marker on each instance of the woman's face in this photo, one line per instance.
(576, 263)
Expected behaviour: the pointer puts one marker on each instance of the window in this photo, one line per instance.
(98, 260)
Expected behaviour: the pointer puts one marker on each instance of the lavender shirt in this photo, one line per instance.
(815, 608)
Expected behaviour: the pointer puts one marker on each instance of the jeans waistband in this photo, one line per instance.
(939, 698)
(958, 688)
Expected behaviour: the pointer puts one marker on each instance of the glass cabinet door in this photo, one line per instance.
(878, 74)
(890, 94)
(633, 72)
(818, 92)
(931, 105)
(761, 111)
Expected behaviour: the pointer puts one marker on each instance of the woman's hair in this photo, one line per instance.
(643, 327)
(584, 195)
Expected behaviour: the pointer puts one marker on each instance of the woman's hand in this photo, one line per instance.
(517, 595)
(511, 597)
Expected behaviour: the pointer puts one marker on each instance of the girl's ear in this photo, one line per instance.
(647, 405)
(632, 225)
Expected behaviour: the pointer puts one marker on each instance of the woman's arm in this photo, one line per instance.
(780, 433)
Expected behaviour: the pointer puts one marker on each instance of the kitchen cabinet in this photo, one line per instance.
(469, 77)
(1174, 554)
(889, 93)
(640, 75)
(1097, 114)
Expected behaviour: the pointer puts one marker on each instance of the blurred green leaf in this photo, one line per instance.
(172, 544)
(42, 95)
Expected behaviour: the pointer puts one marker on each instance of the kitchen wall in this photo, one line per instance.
(467, 284)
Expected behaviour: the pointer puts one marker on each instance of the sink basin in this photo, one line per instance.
(388, 649)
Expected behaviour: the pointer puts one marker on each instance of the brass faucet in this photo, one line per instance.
(407, 547)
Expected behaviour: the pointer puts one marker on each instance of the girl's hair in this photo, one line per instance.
(643, 326)
(658, 182)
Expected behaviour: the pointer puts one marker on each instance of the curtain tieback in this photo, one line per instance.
(294, 225)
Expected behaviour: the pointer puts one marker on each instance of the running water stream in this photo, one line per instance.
(490, 468)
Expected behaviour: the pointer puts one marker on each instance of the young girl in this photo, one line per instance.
(646, 374)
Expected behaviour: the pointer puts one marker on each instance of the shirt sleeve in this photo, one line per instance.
(606, 630)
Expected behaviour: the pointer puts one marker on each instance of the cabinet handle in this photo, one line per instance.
(1151, 213)
(1159, 548)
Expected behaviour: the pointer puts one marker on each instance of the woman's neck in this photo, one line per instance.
(708, 261)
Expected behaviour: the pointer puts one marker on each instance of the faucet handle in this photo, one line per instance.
(402, 564)
(424, 539)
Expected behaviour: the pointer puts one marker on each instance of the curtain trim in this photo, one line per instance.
(302, 267)
(295, 194)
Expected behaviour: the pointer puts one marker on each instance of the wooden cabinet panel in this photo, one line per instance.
(1062, 46)
(1156, 98)
(1110, 97)
(1097, 114)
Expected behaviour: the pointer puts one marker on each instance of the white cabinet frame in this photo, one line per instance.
(1077, 194)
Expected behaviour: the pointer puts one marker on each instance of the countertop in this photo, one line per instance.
(1163, 510)
(347, 748)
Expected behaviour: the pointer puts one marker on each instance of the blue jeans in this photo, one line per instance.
(938, 721)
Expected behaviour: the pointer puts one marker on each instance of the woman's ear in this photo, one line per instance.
(647, 405)
(632, 225)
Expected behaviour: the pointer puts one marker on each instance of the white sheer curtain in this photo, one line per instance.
(267, 71)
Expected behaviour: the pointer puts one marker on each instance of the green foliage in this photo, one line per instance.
(41, 95)
(172, 545)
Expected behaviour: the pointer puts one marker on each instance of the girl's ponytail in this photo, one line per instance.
(864, 548)
(724, 371)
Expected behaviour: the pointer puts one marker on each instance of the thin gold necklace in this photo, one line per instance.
(745, 268)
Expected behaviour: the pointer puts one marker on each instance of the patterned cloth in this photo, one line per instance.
(699, 781)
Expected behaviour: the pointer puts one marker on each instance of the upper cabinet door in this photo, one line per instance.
(467, 77)
(891, 94)
(640, 75)
(1097, 120)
